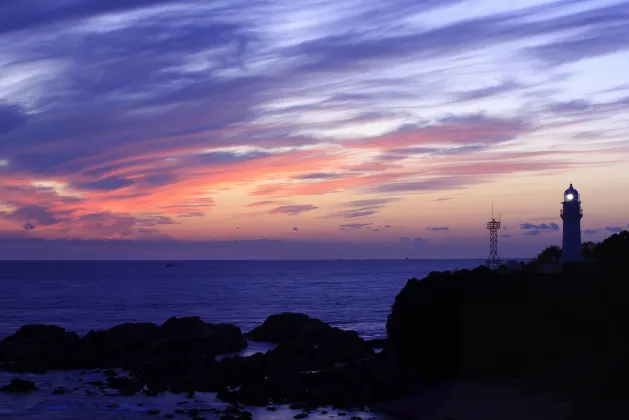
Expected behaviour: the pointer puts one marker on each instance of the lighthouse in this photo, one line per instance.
(571, 214)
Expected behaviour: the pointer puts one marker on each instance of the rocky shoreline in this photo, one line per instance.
(312, 365)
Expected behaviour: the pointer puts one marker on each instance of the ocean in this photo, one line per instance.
(79, 296)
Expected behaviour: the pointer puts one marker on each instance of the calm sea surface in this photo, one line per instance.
(350, 294)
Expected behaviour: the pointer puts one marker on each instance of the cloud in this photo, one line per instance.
(614, 229)
(295, 228)
(543, 226)
(36, 214)
(11, 117)
(318, 175)
(293, 209)
(262, 203)
(438, 229)
(533, 232)
(506, 236)
(419, 242)
(354, 226)
(591, 231)
(370, 202)
(107, 184)
(118, 121)
(488, 91)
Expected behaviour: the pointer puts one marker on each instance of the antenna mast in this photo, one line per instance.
(493, 226)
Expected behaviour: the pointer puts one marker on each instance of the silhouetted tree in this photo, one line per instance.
(550, 255)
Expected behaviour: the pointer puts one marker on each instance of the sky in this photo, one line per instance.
(244, 129)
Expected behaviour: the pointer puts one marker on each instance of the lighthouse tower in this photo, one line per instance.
(571, 213)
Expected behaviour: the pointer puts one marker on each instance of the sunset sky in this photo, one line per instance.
(308, 129)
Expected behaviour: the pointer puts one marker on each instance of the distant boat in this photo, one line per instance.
(171, 265)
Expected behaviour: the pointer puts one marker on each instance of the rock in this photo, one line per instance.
(125, 386)
(289, 327)
(324, 412)
(212, 338)
(19, 385)
(332, 344)
(271, 408)
(60, 390)
(193, 412)
(377, 343)
(118, 345)
(41, 346)
(227, 417)
(154, 412)
(110, 372)
(96, 383)
(169, 416)
(355, 418)
(301, 416)
(113, 405)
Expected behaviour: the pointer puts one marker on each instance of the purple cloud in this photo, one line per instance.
(542, 226)
(293, 209)
(38, 215)
(614, 229)
(318, 175)
(486, 92)
(354, 226)
(438, 229)
(107, 184)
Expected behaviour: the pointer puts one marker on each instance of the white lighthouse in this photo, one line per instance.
(571, 213)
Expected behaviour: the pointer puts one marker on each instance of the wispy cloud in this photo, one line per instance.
(256, 102)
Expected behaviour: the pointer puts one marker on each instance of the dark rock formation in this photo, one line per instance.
(563, 332)
(40, 346)
(299, 331)
(19, 385)
(35, 347)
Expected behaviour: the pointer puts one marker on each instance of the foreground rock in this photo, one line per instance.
(34, 347)
(300, 330)
(313, 363)
(19, 385)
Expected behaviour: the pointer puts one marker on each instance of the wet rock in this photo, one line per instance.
(154, 412)
(19, 385)
(301, 416)
(271, 408)
(41, 346)
(110, 372)
(227, 417)
(169, 416)
(113, 405)
(355, 418)
(59, 391)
